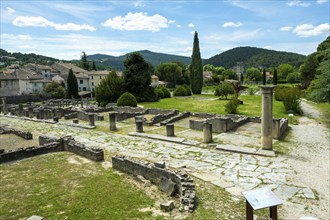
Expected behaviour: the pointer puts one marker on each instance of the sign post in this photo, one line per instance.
(259, 199)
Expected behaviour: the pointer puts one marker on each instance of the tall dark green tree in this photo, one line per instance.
(84, 62)
(308, 70)
(137, 78)
(242, 78)
(264, 77)
(94, 66)
(72, 85)
(196, 68)
(275, 79)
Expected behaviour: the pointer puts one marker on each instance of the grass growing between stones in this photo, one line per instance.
(251, 106)
(65, 186)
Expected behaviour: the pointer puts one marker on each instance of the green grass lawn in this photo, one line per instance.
(52, 187)
(204, 103)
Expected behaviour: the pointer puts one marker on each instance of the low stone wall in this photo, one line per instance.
(23, 134)
(20, 153)
(82, 115)
(161, 117)
(71, 115)
(175, 118)
(172, 182)
(120, 116)
(53, 144)
(203, 115)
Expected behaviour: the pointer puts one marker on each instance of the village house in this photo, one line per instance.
(95, 78)
(9, 84)
(30, 82)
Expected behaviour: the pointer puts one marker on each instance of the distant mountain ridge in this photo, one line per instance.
(255, 57)
(152, 57)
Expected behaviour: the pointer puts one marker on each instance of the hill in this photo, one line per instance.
(24, 58)
(154, 58)
(255, 57)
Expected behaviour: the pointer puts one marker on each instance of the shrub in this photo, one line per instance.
(251, 91)
(291, 101)
(231, 106)
(127, 99)
(167, 93)
(180, 91)
(103, 104)
(280, 92)
(159, 93)
(187, 88)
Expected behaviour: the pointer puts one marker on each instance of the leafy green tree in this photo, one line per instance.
(292, 77)
(229, 74)
(169, 72)
(319, 89)
(264, 77)
(196, 68)
(55, 89)
(275, 77)
(225, 89)
(109, 89)
(208, 67)
(72, 85)
(253, 74)
(284, 70)
(137, 78)
(84, 62)
(308, 70)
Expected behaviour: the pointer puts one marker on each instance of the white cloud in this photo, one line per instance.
(286, 28)
(30, 21)
(267, 47)
(20, 37)
(10, 11)
(137, 22)
(139, 4)
(321, 1)
(232, 24)
(26, 47)
(308, 30)
(179, 25)
(171, 21)
(192, 32)
(298, 3)
(191, 25)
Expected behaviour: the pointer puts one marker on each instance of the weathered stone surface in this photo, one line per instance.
(160, 164)
(143, 180)
(35, 217)
(167, 206)
(167, 186)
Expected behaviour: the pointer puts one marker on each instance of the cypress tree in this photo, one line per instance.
(264, 77)
(242, 78)
(84, 62)
(196, 68)
(94, 67)
(72, 89)
(275, 77)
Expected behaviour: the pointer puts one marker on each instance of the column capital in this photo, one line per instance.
(267, 89)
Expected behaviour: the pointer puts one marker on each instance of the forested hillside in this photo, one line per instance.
(255, 57)
(23, 58)
(154, 58)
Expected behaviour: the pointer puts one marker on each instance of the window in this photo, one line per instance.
(92, 77)
(81, 81)
(84, 88)
(100, 77)
(92, 83)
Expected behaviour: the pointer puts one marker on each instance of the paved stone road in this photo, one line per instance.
(233, 171)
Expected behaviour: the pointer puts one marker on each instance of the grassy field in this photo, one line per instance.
(66, 186)
(211, 104)
(53, 187)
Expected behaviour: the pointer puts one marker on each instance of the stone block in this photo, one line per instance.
(35, 217)
(160, 165)
(167, 186)
(167, 206)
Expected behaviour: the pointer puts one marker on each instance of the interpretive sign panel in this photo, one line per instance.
(261, 198)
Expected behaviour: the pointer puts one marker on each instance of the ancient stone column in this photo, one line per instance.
(30, 112)
(267, 118)
(207, 130)
(82, 102)
(139, 125)
(4, 106)
(91, 119)
(20, 109)
(112, 121)
(55, 118)
(170, 130)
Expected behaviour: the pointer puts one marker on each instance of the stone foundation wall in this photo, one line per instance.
(82, 115)
(23, 134)
(182, 183)
(161, 117)
(176, 118)
(53, 144)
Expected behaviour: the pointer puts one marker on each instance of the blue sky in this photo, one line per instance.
(63, 29)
